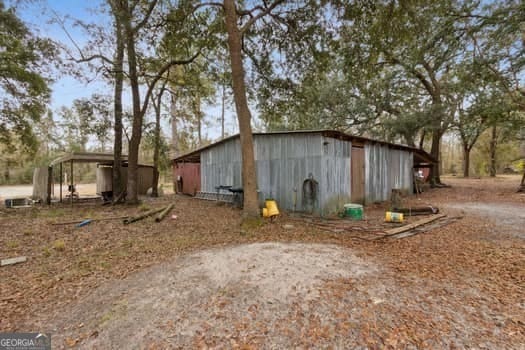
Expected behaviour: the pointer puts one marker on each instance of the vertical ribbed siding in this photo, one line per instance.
(386, 168)
(283, 162)
(336, 185)
(221, 165)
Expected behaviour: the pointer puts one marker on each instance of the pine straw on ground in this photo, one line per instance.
(455, 286)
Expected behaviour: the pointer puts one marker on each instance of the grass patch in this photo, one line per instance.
(128, 243)
(120, 309)
(104, 265)
(250, 224)
(144, 207)
(52, 213)
(27, 232)
(12, 244)
(59, 245)
(46, 252)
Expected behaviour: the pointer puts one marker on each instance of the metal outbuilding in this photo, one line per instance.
(43, 179)
(318, 170)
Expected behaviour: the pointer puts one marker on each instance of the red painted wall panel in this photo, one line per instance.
(190, 175)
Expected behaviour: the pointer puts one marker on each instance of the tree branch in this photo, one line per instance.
(417, 74)
(204, 4)
(159, 75)
(253, 19)
(84, 59)
(144, 20)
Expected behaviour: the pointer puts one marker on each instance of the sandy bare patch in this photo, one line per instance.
(206, 292)
(509, 218)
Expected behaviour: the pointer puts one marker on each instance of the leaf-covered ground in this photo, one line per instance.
(462, 285)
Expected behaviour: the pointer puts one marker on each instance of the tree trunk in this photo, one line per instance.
(136, 129)
(222, 110)
(522, 153)
(199, 117)
(435, 177)
(174, 133)
(118, 66)
(409, 139)
(249, 179)
(466, 160)
(492, 151)
(156, 150)
(422, 139)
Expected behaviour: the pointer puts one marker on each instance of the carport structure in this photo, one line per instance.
(70, 159)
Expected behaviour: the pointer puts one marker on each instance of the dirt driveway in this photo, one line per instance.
(201, 282)
(507, 218)
(229, 296)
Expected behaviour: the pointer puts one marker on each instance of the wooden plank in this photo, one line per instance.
(426, 228)
(418, 223)
(12, 261)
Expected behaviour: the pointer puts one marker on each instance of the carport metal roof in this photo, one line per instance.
(87, 157)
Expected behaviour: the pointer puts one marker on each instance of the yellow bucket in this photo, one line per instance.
(393, 217)
(270, 209)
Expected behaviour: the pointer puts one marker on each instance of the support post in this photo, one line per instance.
(49, 179)
(71, 191)
(61, 176)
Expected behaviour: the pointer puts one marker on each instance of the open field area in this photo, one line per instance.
(201, 280)
(20, 191)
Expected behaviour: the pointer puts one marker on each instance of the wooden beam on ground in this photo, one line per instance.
(413, 225)
(164, 212)
(79, 221)
(142, 216)
(12, 261)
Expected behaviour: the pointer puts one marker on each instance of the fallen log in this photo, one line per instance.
(165, 212)
(142, 216)
(417, 211)
(12, 261)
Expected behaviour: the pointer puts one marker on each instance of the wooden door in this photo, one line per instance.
(358, 175)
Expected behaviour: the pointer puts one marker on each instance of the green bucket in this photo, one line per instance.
(354, 211)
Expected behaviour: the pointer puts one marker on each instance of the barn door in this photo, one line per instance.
(358, 175)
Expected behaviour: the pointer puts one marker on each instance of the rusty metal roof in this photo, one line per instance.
(422, 156)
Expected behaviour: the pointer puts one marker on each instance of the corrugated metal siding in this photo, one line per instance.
(221, 165)
(386, 168)
(283, 162)
(335, 187)
(191, 177)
